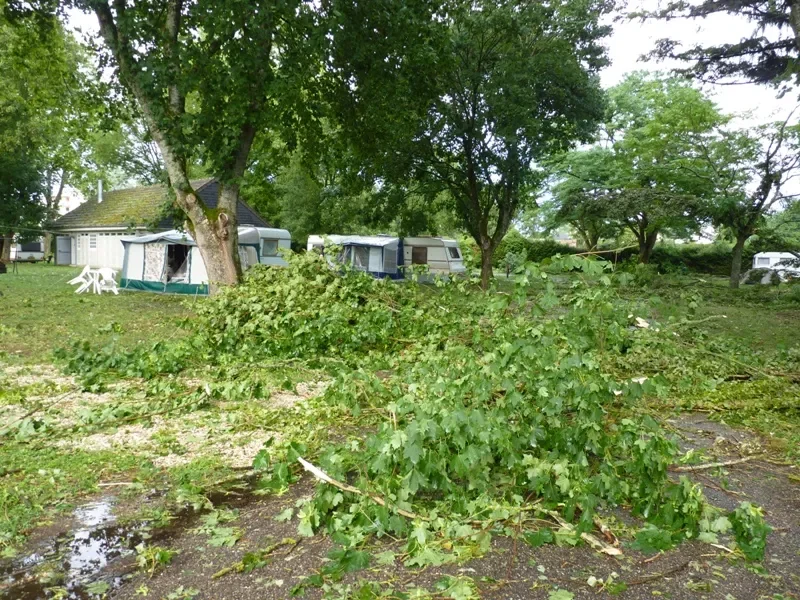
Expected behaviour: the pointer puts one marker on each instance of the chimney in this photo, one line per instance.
(99, 191)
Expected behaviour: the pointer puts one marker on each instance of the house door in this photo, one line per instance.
(63, 250)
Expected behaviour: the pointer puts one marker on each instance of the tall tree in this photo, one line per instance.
(472, 102)
(582, 194)
(43, 95)
(750, 170)
(768, 55)
(207, 77)
(656, 186)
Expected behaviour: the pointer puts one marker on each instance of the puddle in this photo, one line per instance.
(65, 568)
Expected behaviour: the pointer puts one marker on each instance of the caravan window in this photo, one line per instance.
(361, 258)
(762, 261)
(269, 248)
(453, 252)
(419, 255)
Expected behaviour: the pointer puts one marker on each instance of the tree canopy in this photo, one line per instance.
(642, 175)
(490, 91)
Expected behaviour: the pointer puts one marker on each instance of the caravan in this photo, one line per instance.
(378, 255)
(171, 262)
(443, 256)
(387, 256)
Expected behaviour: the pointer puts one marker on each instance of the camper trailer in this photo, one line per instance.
(31, 251)
(171, 262)
(443, 256)
(376, 254)
(272, 243)
(777, 261)
(386, 256)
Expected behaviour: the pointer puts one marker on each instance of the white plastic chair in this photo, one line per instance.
(106, 281)
(82, 278)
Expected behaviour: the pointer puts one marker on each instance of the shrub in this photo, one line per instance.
(533, 250)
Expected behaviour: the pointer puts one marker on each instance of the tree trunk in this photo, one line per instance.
(5, 252)
(211, 230)
(646, 244)
(487, 252)
(736, 260)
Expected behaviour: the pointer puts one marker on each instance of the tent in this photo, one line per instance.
(171, 262)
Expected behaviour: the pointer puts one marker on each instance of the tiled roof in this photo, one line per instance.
(142, 206)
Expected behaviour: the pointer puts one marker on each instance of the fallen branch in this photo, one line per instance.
(262, 554)
(715, 465)
(606, 531)
(653, 577)
(323, 476)
(593, 541)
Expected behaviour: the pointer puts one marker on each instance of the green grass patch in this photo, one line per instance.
(39, 311)
(40, 482)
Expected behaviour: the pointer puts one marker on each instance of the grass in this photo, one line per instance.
(39, 311)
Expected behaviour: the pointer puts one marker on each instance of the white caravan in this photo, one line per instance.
(443, 256)
(777, 261)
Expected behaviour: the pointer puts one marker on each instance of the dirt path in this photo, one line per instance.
(511, 570)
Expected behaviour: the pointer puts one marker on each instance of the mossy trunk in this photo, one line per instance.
(736, 260)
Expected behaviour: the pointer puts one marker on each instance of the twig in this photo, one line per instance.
(724, 463)
(262, 554)
(322, 475)
(655, 576)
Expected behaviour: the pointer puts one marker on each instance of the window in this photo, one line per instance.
(79, 241)
(453, 252)
(419, 255)
(93, 241)
(269, 248)
(361, 258)
(762, 261)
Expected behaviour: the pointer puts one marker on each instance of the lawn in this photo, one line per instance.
(40, 312)
(129, 424)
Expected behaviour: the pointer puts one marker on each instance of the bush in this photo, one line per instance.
(531, 250)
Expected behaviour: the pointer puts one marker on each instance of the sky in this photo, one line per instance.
(755, 103)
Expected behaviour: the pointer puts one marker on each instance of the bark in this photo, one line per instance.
(736, 260)
(53, 202)
(647, 242)
(212, 232)
(5, 252)
(487, 252)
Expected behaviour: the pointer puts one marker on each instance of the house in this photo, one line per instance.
(91, 234)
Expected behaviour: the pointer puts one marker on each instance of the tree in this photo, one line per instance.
(657, 183)
(43, 95)
(751, 170)
(582, 194)
(473, 99)
(769, 55)
(206, 78)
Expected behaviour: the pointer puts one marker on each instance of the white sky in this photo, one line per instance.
(631, 39)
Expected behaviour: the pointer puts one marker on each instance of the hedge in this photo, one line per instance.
(710, 259)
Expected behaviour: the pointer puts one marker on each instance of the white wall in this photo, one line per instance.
(101, 249)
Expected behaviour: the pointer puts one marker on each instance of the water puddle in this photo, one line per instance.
(68, 565)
